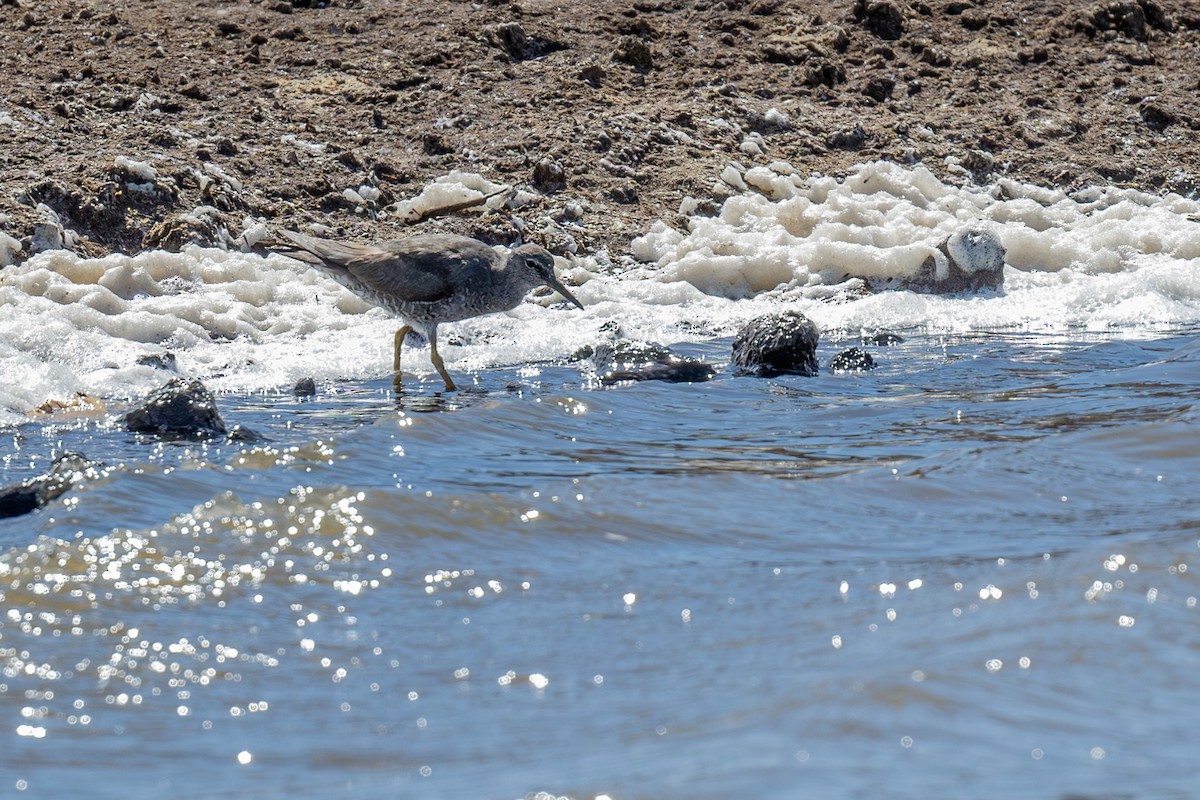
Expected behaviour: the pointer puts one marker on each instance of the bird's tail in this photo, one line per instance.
(311, 250)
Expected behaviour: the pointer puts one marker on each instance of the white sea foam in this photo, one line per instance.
(1103, 259)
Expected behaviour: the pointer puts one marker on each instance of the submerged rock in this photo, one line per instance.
(852, 359)
(67, 470)
(646, 361)
(967, 261)
(882, 339)
(776, 344)
(183, 407)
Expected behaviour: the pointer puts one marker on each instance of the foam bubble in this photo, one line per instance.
(1098, 260)
(884, 220)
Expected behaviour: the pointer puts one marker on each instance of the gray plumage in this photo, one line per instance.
(428, 279)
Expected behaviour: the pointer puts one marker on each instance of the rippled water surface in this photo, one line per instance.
(972, 572)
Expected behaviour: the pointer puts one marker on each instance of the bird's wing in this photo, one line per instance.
(419, 269)
(426, 268)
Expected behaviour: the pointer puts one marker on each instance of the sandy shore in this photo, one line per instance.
(122, 118)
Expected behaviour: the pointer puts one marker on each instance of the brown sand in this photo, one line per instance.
(617, 108)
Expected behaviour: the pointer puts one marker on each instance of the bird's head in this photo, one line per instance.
(539, 263)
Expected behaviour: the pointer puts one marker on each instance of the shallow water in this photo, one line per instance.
(972, 571)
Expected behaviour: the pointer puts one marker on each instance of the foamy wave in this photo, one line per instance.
(885, 220)
(1099, 260)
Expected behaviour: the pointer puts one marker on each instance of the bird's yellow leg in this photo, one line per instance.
(436, 358)
(400, 334)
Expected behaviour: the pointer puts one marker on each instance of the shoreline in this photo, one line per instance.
(139, 129)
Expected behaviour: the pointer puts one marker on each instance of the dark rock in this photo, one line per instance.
(881, 17)
(776, 344)
(305, 387)
(882, 339)
(967, 261)
(880, 88)
(67, 470)
(1130, 18)
(636, 53)
(593, 75)
(626, 195)
(434, 145)
(520, 46)
(764, 8)
(646, 361)
(849, 140)
(824, 73)
(1157, 117)
(194, 91)
(240, 433)
(852, 359)
(974, 19)
(183, 407)
(548, 177)
(981, 164)
(767, 123)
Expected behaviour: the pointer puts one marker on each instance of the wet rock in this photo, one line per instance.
(183, 407)
(881, 17)
(967, 261)
(164, 360)
(305, 387)
(519, 45)
(635, 52)
(646, 361)
(882, 339)
(549, 177)
(240, 433)
(776, 344)
(66, 471)
(852, 359)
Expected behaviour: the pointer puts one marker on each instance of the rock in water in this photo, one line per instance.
(647, 361)
(67, 470)
(882, 339)
(776, 344)
(852, 359)
(967, 261)
(183, 407)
